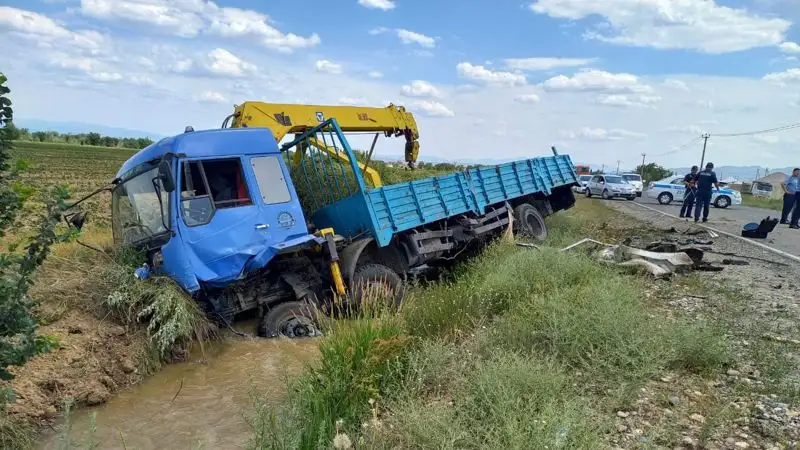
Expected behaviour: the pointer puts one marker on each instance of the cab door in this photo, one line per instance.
(219, 223)
(282, 215)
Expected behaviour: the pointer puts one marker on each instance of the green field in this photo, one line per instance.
(82, 168)
(775, 204)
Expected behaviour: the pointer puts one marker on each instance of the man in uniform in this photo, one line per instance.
(791, 198)
(689, 193)
(704, 180)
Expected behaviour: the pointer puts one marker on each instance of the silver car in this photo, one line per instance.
(610, 186)
(582, 179)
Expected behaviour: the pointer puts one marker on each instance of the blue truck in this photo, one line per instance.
(223, 214)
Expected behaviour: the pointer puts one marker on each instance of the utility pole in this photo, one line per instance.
(705, 142)
(618, 161)
(642, 174)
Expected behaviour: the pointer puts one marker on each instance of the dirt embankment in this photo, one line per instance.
(754, 402)
(95, 359)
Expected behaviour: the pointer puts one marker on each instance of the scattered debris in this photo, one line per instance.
(735, 262)
(659, 264)
(759, 230)
(772, 337)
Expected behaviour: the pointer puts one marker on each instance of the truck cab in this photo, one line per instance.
(209, 206)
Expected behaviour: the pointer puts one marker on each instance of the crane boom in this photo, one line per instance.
(283, 119)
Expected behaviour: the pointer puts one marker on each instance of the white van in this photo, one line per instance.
(636, 180)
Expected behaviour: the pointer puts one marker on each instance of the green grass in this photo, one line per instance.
(518, 348)
(775, 204)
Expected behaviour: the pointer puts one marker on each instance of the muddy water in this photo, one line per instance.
(213, 402)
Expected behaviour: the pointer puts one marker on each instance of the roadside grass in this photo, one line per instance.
(518, 347)
(775, 204)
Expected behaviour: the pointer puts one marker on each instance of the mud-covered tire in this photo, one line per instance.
(588, 192)
(529, 222)
(293, 320)
(604, 195)
(376, 276)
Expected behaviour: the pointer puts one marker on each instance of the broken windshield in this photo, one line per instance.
(137, 212)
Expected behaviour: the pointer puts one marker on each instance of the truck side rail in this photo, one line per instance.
(382, 212)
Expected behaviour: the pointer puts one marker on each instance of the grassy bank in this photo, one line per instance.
(775, 204)
(519, 348)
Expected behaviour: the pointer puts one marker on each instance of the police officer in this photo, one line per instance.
(704, 180)
(689, 193)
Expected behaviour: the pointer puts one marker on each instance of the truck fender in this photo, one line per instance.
(348, 257)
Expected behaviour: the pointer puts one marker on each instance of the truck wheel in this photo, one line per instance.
(528, 222)
(371, 280)
(289, 319)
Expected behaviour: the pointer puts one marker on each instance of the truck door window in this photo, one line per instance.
(270, 179)
(210, 185)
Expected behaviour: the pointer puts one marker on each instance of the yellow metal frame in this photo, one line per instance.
(336, 271)
(283, 119)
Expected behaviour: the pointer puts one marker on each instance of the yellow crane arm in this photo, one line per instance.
(283, 119)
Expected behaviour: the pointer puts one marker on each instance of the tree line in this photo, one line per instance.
(96, 139)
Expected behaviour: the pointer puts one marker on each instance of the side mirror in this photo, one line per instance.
(165, 174)
(77, 220)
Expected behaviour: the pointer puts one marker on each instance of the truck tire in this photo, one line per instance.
(529, 222)
(293, 320)
(384, 280)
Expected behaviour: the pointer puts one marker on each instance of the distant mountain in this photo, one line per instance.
(80, 127)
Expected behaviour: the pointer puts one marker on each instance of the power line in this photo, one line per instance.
(768, 130)
(679, 148)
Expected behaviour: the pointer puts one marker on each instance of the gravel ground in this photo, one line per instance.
(732, 220)
(752, 404)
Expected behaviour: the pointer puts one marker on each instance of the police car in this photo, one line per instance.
(672, 189)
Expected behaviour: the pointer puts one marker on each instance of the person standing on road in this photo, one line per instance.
(689, 193)
(791, 198)
(704, 180)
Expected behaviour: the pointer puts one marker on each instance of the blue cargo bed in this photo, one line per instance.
(394, 208)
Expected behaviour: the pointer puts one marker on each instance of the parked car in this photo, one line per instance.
(636, 180)
(610, 186)
(672, 189)
(582, 179)
(761, 189)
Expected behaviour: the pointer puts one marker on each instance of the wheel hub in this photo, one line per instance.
(299, 327)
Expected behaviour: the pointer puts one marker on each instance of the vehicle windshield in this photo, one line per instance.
(585, 177)
(632, 177)
(614, 180)
(137, 213)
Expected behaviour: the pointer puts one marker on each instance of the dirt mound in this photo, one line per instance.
(95, 359)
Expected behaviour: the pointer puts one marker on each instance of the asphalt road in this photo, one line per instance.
(732, 219)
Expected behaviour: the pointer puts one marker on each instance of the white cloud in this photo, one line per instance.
(47, 32)
(105, 76)
(420, 89)
(601, 134)
(216, 63)
(622, 100)
(700, 25)
(375, 74)
(190, 18)
(355, 101)
(527, 98)
(142, 80)
(223, 62)
(767, 138)
(325, 66)
(406, 36)
(210, 97)
(790, 47)
(377, 4)
(536, 64)
(787, 76)
(597, 80)
(484, 75)
(434, 109)
(676, 84)
(378, 30)
(411, 37)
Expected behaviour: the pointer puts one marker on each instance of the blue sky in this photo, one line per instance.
(603, 81)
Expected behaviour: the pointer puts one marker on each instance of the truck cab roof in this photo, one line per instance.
(206, 143)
